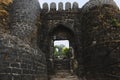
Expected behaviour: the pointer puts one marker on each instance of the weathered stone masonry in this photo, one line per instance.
(23, 18)
(93, 31)
(20, 58)
(101, 47)
(19, 61)
(63, 25)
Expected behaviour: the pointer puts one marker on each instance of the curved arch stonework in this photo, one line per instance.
(66, 32)
(92, 3)
(66, 23)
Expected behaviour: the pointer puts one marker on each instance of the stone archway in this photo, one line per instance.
(60, 32)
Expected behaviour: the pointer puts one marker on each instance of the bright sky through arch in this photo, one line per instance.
(64, 42)
(81, 2)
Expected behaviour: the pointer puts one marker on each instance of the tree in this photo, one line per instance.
(61, 50)
(65, 51)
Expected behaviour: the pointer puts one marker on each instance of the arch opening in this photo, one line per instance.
(61, 54)
(61, 59)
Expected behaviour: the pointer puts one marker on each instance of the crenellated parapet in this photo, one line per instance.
(53, 6)
(92, 3)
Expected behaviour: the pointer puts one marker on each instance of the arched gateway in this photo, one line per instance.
(93, 32)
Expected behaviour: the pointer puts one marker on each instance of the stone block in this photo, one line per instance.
(15, 65)
(17, 77)
(6, 77)
(27, 77)
(5, 70)
(16, 71)
(26, 71)
(24, 66)
(4, 64)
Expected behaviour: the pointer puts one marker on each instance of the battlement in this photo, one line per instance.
(53, 6)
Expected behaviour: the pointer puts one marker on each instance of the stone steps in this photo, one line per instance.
(64, 75)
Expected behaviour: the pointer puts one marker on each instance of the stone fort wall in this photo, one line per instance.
(20, 56)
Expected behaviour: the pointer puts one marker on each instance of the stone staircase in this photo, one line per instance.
(63, 75)
(62, 64)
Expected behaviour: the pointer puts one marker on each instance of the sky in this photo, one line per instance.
(65, 42)
(81, 2)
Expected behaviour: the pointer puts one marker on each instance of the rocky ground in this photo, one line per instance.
(64, 75)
